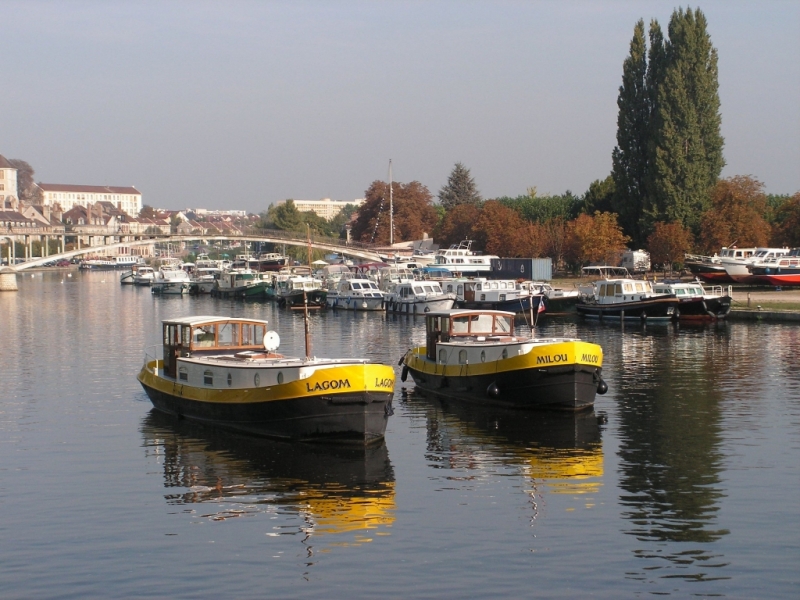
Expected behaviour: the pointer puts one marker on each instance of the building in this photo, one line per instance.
(126, 199)
(325, 208)
(8, 182)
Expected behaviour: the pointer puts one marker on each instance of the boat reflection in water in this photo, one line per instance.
(560, 452)
(320, 490)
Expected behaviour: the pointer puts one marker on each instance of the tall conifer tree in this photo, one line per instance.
(629, 158)
(667, 176)
(688, 144)
(460, 188)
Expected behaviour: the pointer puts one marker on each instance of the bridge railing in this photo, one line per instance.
(297, 236)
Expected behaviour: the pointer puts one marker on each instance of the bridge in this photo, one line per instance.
(360, 250)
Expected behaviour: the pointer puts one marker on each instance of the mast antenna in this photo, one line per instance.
(391, 209)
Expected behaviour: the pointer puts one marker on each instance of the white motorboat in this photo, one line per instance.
(626, 299)
(460, 259)
(352, 293)
(417, 297)
(170, 279)
(739, 269)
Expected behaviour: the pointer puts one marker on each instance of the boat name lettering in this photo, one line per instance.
(333, 384)
(556, 358)
(384, 383)
(590, 358)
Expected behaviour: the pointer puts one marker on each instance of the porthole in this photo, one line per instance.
(462, 357)
(505, 352)
(443, 356)
(280, 376)
(257, 380)
(230, 379)
(483, 355)
(208, 378)
(182, 374)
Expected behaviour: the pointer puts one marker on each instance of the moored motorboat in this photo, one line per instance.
(352, 293)
(476, 355)
(739, 270)
(170, 279)
(779, 271)
(239, 283)
(626, 299)
(697, 303)
(495, 294)
(557, 300)
(226, 372)
(712, 269)
(417, 297)
(460, 260)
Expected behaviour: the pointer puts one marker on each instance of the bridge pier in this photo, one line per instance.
(8, 280)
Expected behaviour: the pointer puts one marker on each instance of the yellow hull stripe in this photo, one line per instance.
(350, 379)
(540, 357)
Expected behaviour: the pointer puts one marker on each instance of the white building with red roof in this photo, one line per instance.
(126, 199)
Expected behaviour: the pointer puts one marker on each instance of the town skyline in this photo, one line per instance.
(200, 105)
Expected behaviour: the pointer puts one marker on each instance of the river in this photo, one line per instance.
(684, 480)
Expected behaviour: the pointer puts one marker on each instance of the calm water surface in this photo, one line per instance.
(684, 480)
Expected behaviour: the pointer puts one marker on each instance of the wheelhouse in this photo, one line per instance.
(204, 335)
(466, 325)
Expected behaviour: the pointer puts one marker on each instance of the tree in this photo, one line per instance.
(147, 212)
(597, 238)
(29, 192)
(501, 231)
(458, 224)
(599, 196)
(668, 244)
(736, 216)
(460, 189)
(629, 157)
(541, 209)
(787, 222)
(414, 213)
(286, 217)
(687, 158)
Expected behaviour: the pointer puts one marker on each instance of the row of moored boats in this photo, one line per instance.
(756, 266)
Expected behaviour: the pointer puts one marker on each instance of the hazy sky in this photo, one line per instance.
(238, 104)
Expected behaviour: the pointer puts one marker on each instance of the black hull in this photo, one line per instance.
(358, 418)
(699, 309)
(517, 306)
(652, 308)
(567, 388)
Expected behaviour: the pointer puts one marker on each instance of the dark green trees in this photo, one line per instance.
(460, 189)
(629, 157)
(664, 168)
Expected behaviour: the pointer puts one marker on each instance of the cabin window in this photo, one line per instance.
(417, 289)
(628, 288)
(186, 336)
(481, 324)
(618, 288)
(460, 325)
(462, 357)
(483, 297)
(247, 334)
(204, 336)
(228, 334)
(502, 297)
(182, 374)
(230, 380)
(460, 289)
(170, 335)
(478, 287)
(208, 378)
(356, 286)
(443, 356)
(639, 287)
(503, 324)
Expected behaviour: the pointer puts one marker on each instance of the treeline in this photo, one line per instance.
(664, 192)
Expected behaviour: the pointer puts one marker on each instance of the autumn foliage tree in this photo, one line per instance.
(414, 213)
(458, 224)
(668, 244)
(597, 238)
(501, 231)
(787, 223)
(736, 216)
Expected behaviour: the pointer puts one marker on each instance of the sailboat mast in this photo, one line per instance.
(391, 209)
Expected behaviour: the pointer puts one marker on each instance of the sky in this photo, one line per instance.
(234, 105)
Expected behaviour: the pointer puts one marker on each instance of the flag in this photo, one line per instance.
(541, 306)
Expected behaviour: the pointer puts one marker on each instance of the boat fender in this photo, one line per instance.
(404, 374)
(493, 391)
(602, 387)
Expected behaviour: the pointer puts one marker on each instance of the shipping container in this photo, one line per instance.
(533, 269)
